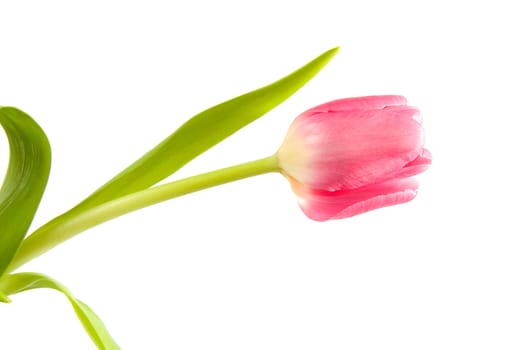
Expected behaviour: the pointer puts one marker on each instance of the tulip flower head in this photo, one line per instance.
(353, 155)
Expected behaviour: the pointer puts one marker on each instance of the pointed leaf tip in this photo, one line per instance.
(203, 131)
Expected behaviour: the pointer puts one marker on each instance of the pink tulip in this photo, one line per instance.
(353, 155)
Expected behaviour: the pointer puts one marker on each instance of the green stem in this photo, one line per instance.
(66, 226)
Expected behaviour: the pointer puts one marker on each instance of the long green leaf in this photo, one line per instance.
(16, 283)
(203, 131)
(25, 180)
(198, 134)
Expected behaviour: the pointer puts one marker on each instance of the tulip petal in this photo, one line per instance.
(417, 166)
(404, 112)
(358, 148)
(325, 205)
(359, 103)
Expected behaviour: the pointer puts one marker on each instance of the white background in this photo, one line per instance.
(240, 267)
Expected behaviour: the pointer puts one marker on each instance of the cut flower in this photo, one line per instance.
(353, 155)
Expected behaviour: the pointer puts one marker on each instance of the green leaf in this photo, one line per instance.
(16, 283)
(198, 134)
(25, 180)
(203, 131)
(4, 298)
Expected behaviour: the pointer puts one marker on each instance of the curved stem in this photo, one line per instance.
(66, 226)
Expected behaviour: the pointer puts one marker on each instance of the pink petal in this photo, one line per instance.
(405, 112)
(361, 103)
(417, 166)
(354, 149)
(325, 205)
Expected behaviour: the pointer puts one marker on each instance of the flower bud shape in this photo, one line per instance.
(354, 155)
